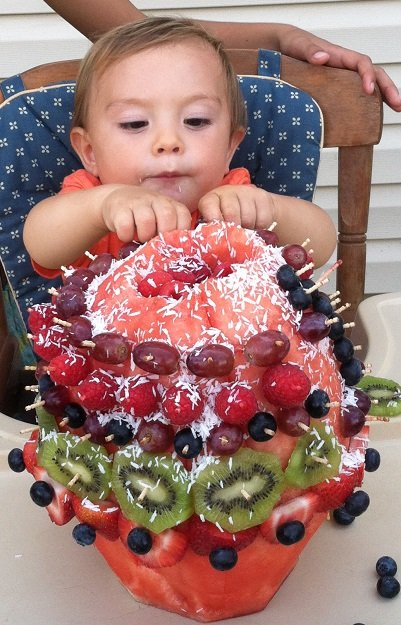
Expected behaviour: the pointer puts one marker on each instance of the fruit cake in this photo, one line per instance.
(197, 416)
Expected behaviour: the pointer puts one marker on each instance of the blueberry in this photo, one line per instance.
(223, 559)
(372, 460)
(342, 517)
(75, 414)
(45, 383)
(260, 422)
(388, 587)
(357, 503)
(351, 371)
(337, 328)
(286, 278)
(343, 349)
(41, 493)
(186, 444)
(16, 460)
(386, 566)
(316, 402)
(84, 534)
(121, 432)
(299, 299)
(322, 303)
(290, 532)
(139, 540)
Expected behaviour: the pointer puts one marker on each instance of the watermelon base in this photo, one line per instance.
(192, 588)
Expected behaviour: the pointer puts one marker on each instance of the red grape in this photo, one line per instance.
(156, 357)
(155, 436)
(111, 347)
(212, 360)
(352, 421)
(288, 420)
(79, 330)
(56, 398)
(101, 264)
(267, 348)
(70, 301)
(314, 327)
(92, 426)
(295, 255)
(127, 249)
(363, 400)
(269, 237)
(81, 277)
(225, 439)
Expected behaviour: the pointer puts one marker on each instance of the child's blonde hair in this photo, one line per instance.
(135, 37)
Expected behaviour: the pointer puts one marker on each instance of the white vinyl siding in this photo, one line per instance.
(31, 34)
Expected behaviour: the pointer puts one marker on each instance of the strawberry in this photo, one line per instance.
(189, 269)
(174, 289)
(235, 404)
(29, 452)
(332, 493)
(139, 396)
(300, 509)
(102, 516)
(40, 317)
(69, 368)
(182, 404)
(285, 385)
(150, 285)
(167, 549)
(60, 509)
(49, 342)
(204, 537)
(222, 270)
(98, 391)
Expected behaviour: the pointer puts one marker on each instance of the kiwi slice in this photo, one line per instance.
(46, 421)
(151, 489)
(239, 491)
(316, 457)
(82, 466)
(386, 392)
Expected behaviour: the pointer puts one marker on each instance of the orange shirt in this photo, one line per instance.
(81, 179)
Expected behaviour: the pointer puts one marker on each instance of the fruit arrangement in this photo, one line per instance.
(197, 415)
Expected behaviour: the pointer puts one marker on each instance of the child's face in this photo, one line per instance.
(159, 119)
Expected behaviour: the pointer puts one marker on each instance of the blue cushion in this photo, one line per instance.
(281, 150)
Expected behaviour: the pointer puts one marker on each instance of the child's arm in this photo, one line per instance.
(297, 220)
(61, 228)
(94, 17)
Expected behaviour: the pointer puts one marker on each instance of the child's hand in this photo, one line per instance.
(244, 205)
(134, 213)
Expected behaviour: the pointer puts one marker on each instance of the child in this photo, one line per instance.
(158, 116)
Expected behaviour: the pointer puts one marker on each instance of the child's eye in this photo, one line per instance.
(197, 122)
(137, 125)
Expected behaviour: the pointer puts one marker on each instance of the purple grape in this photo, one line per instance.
(155, 436)
(156, 357)
(212, 360)
(70, 301)
(352, 421)
(92, 426)
(225, 439)
(80, 329)
(295, 256)
(267, 348)
(128, 248)
(81, 277)
(313, 326)
(111, 347)
(101, 264)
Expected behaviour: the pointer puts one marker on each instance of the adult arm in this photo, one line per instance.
(94, 17)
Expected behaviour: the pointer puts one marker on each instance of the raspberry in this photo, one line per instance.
(40, 317)
(174, 289)
(204, 537)
(182, 404)
(139, 396)
(98, 391)
(235, 404)
(150, 285)
(285, 385)
(68, 368)
(49, 342)
(189, 269)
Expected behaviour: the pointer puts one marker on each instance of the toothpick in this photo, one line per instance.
(319, 460)
(52, 291)
(63, 422)
(30, 368)
(73, 480)
(316, 286)
(303, 426)
(342, 308)
(88, 344)
(62, 322)
(245, 494)
(329, 322)
(330, 270)
(85, 437)
(185, 449)
(372, 418)
(33, 428)
(144, 493)
(272, 226)
(32, 387)
(351, 324)
(269, 432)
(335, 294)
(38, 404)
(89, 255)
(305, 243)
(304, 269)
(109, 438)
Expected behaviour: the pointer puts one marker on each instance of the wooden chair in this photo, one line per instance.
(352, 123)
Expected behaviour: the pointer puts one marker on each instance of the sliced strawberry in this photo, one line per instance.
(167, 549)
(102, 516)
(205, 536)
(301, 509)
(60, 510)
(29, 452)
(332, 493)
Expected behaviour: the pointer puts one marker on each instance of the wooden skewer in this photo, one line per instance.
(342, 308)
(319, 460)
(351, 324)
(143, 493)
(272, 226)
(62, 322)
(334, 302)
(329, 322)
(334, 295)
(38, 404)
(304, 269)
(63, 422)
(305, 243)
(33, 428)
(330, 270)
(73, 480)
(316, 286)
(245, 494)
(332, 404)
(372, 419)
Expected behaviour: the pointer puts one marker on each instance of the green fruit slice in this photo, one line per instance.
(46, 421)
(239, 492)
(386, 392)
(316, 458)
(82, 466)
(152, 490)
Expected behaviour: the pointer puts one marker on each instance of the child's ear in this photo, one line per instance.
(235, 140)
(80, 141)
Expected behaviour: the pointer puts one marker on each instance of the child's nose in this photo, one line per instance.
(168, 142)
